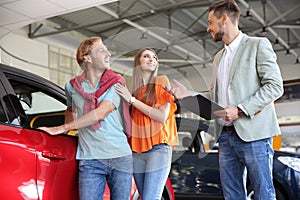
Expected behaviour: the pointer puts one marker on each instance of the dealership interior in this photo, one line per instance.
(42, 37)
(38, 43)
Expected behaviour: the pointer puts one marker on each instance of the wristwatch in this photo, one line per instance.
(241, 112)
(132, 100)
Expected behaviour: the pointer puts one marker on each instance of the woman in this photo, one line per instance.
(153, 125)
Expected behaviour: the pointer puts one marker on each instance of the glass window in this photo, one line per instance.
(13, 112)
(185, 139)
(40, 108)
(62, 65)
(291, 92)
(41, 103)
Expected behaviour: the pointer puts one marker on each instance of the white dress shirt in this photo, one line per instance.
(223, 72)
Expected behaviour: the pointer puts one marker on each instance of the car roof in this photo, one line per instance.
(19, 74)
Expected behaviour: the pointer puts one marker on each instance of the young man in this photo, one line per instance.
(246, 81)
(103, 151)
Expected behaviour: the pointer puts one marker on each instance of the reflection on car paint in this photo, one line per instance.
(28, 190)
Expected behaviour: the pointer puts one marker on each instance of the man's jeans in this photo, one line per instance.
(151, 170)
(93, 175)
(237, 159)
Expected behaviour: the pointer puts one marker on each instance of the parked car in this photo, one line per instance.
(33, 164)
(195, 170)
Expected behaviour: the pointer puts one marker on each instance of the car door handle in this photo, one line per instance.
(53, 155)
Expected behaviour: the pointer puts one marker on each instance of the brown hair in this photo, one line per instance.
(85, 48)
(229, 7)
(149, 97)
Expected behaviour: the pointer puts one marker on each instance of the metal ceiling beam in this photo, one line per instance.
(283, 15)
(150, 33)
(290, 26)
(143, 15)
(204, 24)
(193, 3)
(32, 36)
(151, 6)
(270, 29)
(295, 34)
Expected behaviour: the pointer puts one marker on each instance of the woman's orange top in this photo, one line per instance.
(147, 132)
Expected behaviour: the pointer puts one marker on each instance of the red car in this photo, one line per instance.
(33, 164)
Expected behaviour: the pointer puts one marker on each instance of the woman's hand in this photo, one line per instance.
(123, 92)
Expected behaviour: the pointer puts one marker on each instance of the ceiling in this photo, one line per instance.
(175, 28)
(187, 18)
(15, 14)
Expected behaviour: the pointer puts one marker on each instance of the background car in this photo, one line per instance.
(195, 171)
(33, 164)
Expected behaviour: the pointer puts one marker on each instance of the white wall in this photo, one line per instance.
(28, 50)
(289, 71)
(291, 108)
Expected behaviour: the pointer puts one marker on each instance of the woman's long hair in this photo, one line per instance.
(137, 83)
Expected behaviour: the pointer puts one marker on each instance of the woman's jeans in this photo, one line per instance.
(94, 174)
(238, 159)
(151, 170)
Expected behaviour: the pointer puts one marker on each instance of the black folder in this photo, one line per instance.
(200, 105)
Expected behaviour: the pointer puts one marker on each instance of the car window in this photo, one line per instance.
(34, 100)
(41, 108)
(185, 139)
(40, 103)
(11, 111)
(15, 113)
(190, 141)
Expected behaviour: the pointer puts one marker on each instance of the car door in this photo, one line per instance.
(17, 153)
(55, 165)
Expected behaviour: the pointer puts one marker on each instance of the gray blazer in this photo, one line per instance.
(255, 82)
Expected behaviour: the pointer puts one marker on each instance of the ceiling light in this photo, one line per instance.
(143, 37)
(276, 42)
(264, 31)
(248, 15)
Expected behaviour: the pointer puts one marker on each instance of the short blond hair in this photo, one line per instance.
(85, 48)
